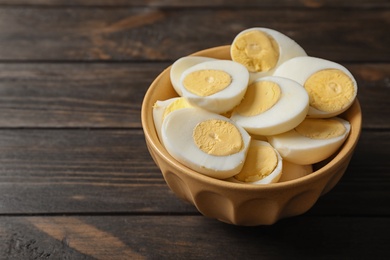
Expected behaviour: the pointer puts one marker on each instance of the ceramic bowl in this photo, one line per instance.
(244, 204)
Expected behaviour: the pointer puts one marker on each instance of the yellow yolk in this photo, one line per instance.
(330, 90)
(320, 128)
(217, 137)
(260, 97)
(256, 50)
(260, 162)
(177, 104)
(207, 82)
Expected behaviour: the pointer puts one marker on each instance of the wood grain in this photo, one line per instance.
(145, 237)
(126, 34)
(74, 95)
(204, 3)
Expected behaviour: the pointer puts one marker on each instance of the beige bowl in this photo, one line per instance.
(244, 204)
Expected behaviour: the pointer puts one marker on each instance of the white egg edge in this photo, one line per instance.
(294, 70)
(212, 165)
(158, 113)
(274, 176)
(225, 99)
(180, 65)
(299, 149)
(264, 123)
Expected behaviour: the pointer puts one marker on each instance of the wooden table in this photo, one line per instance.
(76, 180)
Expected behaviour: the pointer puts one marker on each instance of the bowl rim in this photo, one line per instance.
(153, 141)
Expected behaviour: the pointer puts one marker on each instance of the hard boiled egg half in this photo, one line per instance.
(180, 65)
(263, 165)
(272, 105)
(312, 141)
(206, 142)
(331, 87)
(261, 50)
(216, 86)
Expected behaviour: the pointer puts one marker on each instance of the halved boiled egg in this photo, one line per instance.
(217, 86)
(180, 65)
(162, 108)
(206, 142)
(312, 141)
(292, 171)
(263, 165)
(261, 50)
(272, 105)
(331, 87)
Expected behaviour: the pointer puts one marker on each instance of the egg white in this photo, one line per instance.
(180, 65)
(289, 111)
(288, 49)
(299, 149)
(301, 68)
(158, 113)
(274, 176)
(177, 131)
(226, 99)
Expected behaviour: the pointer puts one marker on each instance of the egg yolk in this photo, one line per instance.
(177, 104)
(256, 50)
(320, 128)
(259, 97)
(260, 162)
(329, 90)
(217, 137)
(206, 82)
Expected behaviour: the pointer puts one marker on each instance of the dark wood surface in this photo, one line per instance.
(76, 179)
